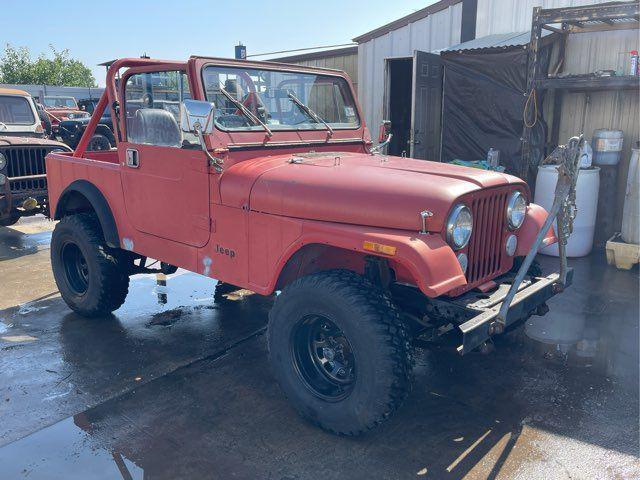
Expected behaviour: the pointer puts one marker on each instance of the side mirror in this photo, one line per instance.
(196, 116)
(384, 131)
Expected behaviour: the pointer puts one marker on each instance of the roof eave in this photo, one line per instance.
(406, 20)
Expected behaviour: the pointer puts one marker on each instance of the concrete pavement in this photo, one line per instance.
(175, 386)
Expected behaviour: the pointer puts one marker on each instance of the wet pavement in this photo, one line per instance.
(175, 386)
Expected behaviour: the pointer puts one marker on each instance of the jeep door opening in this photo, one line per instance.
(263, 176)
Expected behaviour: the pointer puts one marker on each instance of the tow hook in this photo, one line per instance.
(495, 328)
(542, 309)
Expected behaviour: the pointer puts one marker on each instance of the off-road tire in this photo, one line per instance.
(7, 222)
(107, 282)
(377, 336)
(98, 143)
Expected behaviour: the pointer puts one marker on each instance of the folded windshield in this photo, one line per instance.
(279, 100)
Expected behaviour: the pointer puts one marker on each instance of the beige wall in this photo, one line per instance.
(346, 63)
(612, 110)
(434, 32)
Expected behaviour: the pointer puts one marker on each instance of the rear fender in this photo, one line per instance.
(422, 260)
(82, 195)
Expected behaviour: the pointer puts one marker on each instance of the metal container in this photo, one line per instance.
(607, 146)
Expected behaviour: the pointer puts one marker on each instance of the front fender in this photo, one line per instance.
(427, 260)
(533, 222)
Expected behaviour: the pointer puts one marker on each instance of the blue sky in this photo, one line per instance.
(95, 31)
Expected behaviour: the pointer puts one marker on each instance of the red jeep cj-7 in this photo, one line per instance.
(263, 175)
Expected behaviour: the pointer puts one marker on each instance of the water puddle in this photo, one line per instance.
(64, 450)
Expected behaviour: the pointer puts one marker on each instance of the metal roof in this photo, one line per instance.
(498, 40)
(335, 52)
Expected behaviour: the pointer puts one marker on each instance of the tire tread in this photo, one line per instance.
(388, 325)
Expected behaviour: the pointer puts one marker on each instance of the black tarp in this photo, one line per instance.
(484, 95)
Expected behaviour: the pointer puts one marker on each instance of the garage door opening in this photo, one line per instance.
(400, 84)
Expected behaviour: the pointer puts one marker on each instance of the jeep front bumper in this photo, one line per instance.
(530, 299)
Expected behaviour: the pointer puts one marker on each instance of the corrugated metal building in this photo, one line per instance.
(586, 53)
(503, 16)
(37, 91)
(345, 59)
(432, 28)
(442, 25)
(450, 22)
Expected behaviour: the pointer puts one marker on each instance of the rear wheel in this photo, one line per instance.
(92, 278)
(339, 351)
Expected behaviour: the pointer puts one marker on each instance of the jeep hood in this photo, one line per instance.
(28, 141)
(354, 188)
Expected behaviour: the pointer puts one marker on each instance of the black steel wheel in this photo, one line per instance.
(93, 278)
(323, 357)
(75, 267)
(339, 351)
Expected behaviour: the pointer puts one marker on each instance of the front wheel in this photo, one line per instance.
(92, 278)
(7, 222)
(339, 351)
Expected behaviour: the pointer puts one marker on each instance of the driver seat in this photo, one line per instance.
(155, 126)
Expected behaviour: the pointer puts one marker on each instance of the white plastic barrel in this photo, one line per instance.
(581, 240)
(631, 210)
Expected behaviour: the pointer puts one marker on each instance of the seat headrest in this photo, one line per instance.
(155, 126)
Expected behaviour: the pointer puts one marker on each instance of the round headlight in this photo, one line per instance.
(3, 161)
(459, 226)
(3, 179)
(511, 245)
(463, 261)
(516, 210)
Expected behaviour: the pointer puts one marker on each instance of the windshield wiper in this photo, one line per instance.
(246, 111)
(310, 112)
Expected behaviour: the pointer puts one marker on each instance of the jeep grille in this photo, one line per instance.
(26, 162)
(486, 246)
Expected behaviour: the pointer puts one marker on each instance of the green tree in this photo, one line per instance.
(16, 66)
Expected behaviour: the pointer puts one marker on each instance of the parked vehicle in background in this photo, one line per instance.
(263, 176)
(44, 118)
(60, 108)
(70, 131)
(23, 146)
(88, 104)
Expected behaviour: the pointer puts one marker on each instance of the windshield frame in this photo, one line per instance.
(293, 70)
(66, 97)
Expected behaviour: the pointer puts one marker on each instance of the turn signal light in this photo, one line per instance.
(379, 248)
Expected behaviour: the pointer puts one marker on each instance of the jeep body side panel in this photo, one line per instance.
(167, 193)
(63, 169)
